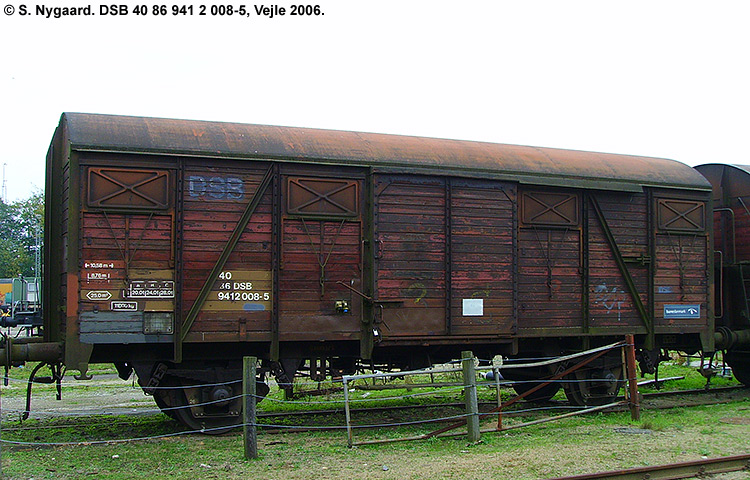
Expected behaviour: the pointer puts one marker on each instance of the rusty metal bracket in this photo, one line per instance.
(8, 344)
(58, 372)
(228, 249)
(366, 298)
(394, 302)
(629, 283)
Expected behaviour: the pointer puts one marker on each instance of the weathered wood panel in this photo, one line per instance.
(239, 305)
(410, 250)
(681, 277)
(550, 278)
(610, 302)
(733, 237)
(119, 250)
(316, 255)
(481, 248)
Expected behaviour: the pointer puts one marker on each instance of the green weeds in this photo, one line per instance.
(575, 445)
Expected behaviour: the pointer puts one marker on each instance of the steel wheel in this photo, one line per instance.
(163, 398)
(527, 378)
(595, 387)
(213, 409)
(740, 363)
(544, 394)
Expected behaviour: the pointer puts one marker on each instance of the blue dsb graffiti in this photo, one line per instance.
(218, 188)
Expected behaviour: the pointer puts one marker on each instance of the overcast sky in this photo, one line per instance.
(656, 78)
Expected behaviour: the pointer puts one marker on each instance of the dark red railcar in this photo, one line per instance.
(731, 201)
(177, 247)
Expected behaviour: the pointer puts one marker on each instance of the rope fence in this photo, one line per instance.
(465, 378)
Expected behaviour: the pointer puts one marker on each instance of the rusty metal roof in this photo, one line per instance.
(533, 165)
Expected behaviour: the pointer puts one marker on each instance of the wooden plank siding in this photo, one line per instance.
(66, 243)
(550, 282)
(410, 254)
(481, 246)
(681, 276)
(425, 241)
(453, 258)
(208, 220)
(610, 302)
(316, 255)
(739, 245)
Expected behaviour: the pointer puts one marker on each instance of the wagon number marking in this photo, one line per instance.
(239, 291)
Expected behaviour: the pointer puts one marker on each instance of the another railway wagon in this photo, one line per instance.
(731, 201)
(177, 247)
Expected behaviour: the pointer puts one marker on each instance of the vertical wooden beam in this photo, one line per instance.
(496, 377)
(650, 342)
(249, 431)
(179, 270)
(448, 256)
(516, 256)
(367, 320)
(276, 234)
(585, 246)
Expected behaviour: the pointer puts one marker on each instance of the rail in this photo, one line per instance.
(694, 469)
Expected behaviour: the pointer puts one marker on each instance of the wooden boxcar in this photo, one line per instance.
(177, 247)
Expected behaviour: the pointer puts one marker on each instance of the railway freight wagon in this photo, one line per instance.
(731, 201)
(175, 248)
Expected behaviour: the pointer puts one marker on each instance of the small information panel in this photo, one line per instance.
(100, 273)
(682, 311)
(122, 306)
(244, 290)
(98, 295)
(150, 289)
(473, 307)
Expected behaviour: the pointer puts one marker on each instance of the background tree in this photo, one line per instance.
(21, 235)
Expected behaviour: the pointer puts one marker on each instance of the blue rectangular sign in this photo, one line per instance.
(682, 311)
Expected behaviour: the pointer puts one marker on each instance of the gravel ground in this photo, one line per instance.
(104, 394)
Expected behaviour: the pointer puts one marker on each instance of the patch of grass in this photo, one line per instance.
(680, 366)
(575, 445)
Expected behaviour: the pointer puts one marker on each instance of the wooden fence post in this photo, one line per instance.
(470, 396)
(633, 395)
(249, 432)
(347, 411)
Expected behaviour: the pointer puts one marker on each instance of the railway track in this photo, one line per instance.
(270, 423)
(692, 469)
(324, 417)
(646, 397)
